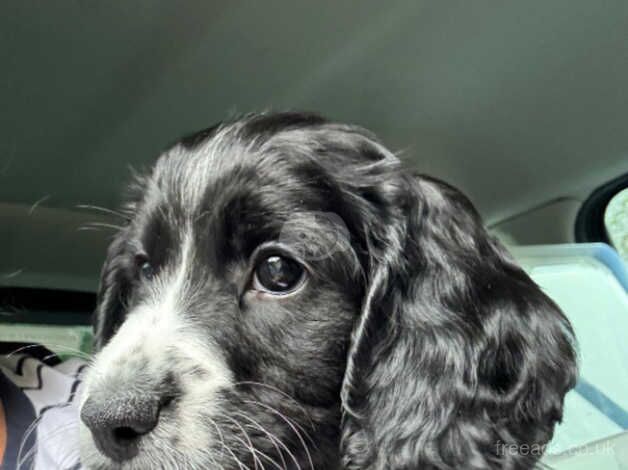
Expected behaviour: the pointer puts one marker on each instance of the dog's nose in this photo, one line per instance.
(117, 424)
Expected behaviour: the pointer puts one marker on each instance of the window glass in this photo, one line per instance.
(616, 222)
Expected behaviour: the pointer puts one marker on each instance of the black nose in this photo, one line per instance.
(117, 424)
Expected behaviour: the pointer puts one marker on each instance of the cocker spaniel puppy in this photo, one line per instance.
(285, 296)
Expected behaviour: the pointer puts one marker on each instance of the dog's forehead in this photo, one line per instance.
(229, 164)
(230, 195)
(185, 176)
(278, 153)
(238, 186)
(205, 182)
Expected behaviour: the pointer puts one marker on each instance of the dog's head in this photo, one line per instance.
(284, 295)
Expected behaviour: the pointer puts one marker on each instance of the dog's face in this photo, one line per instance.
(279, 269)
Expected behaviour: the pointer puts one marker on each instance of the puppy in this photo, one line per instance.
(285, 296)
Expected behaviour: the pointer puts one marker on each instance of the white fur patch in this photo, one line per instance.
(156, 338)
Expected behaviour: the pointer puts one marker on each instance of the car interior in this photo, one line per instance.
(521, 105)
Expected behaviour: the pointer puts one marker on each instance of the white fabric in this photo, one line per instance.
(54, 393)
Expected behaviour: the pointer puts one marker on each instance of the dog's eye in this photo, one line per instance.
(278, 275)
(144, 268)
(147, 271)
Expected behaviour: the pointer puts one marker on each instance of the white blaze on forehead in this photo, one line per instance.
(158, 332)
(190, 170)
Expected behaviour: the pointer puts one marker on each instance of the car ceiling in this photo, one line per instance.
(517, 103)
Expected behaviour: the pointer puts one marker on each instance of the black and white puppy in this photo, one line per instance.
(285, 296)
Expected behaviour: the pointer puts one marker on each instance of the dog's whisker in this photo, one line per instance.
(102, 225)
(282, 393)
(13, 274)
(290, 424)
(61, 347)
(27, 433)
(102, 209)
(88, 229)
(254, 451)
(307, 435)
(211, 456)
(64, 459)
(41, 439)
(224, 444)
(37, 203)
(290, 453)
(271, 437)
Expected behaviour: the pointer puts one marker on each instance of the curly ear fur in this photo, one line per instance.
(458, 357)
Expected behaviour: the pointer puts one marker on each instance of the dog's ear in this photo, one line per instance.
(458, 359)
(112, 292)
(114, 286)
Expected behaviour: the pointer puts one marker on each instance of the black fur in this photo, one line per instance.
(418, 345)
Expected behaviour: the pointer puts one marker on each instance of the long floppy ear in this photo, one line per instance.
(112, 292)
(458, 360)
(114, 287)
